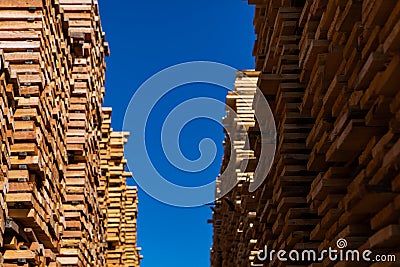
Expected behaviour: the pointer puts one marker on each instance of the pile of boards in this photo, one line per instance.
(237, 170)
(119, 202)
(330, 71)
(59, 157)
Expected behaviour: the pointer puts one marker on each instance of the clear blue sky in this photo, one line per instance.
(146, 37)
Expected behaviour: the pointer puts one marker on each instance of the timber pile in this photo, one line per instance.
(329, 70)
(232, 229)
(119, 202)
(52, 89)
(132, 252)
(83, 135)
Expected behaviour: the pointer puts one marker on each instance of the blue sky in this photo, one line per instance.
(145, 37)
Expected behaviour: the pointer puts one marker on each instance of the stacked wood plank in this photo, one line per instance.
(38, 155)
(329, 70)
(83, 136)
(52, 192)
(132, 251)
(232, 217)
(119, 202)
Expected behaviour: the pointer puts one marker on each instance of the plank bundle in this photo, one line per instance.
(330, 71)
(131, 251)
(53, 156)
(119, 201)
(239, 122)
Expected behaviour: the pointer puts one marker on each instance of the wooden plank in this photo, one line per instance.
(21, 4)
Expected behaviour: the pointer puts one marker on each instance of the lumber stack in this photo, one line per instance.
(232, 217)
(132, 252)
(119, 202)
(329, 70)
(52, 88)
(116, 198)
(83, 135)
(37, 154)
